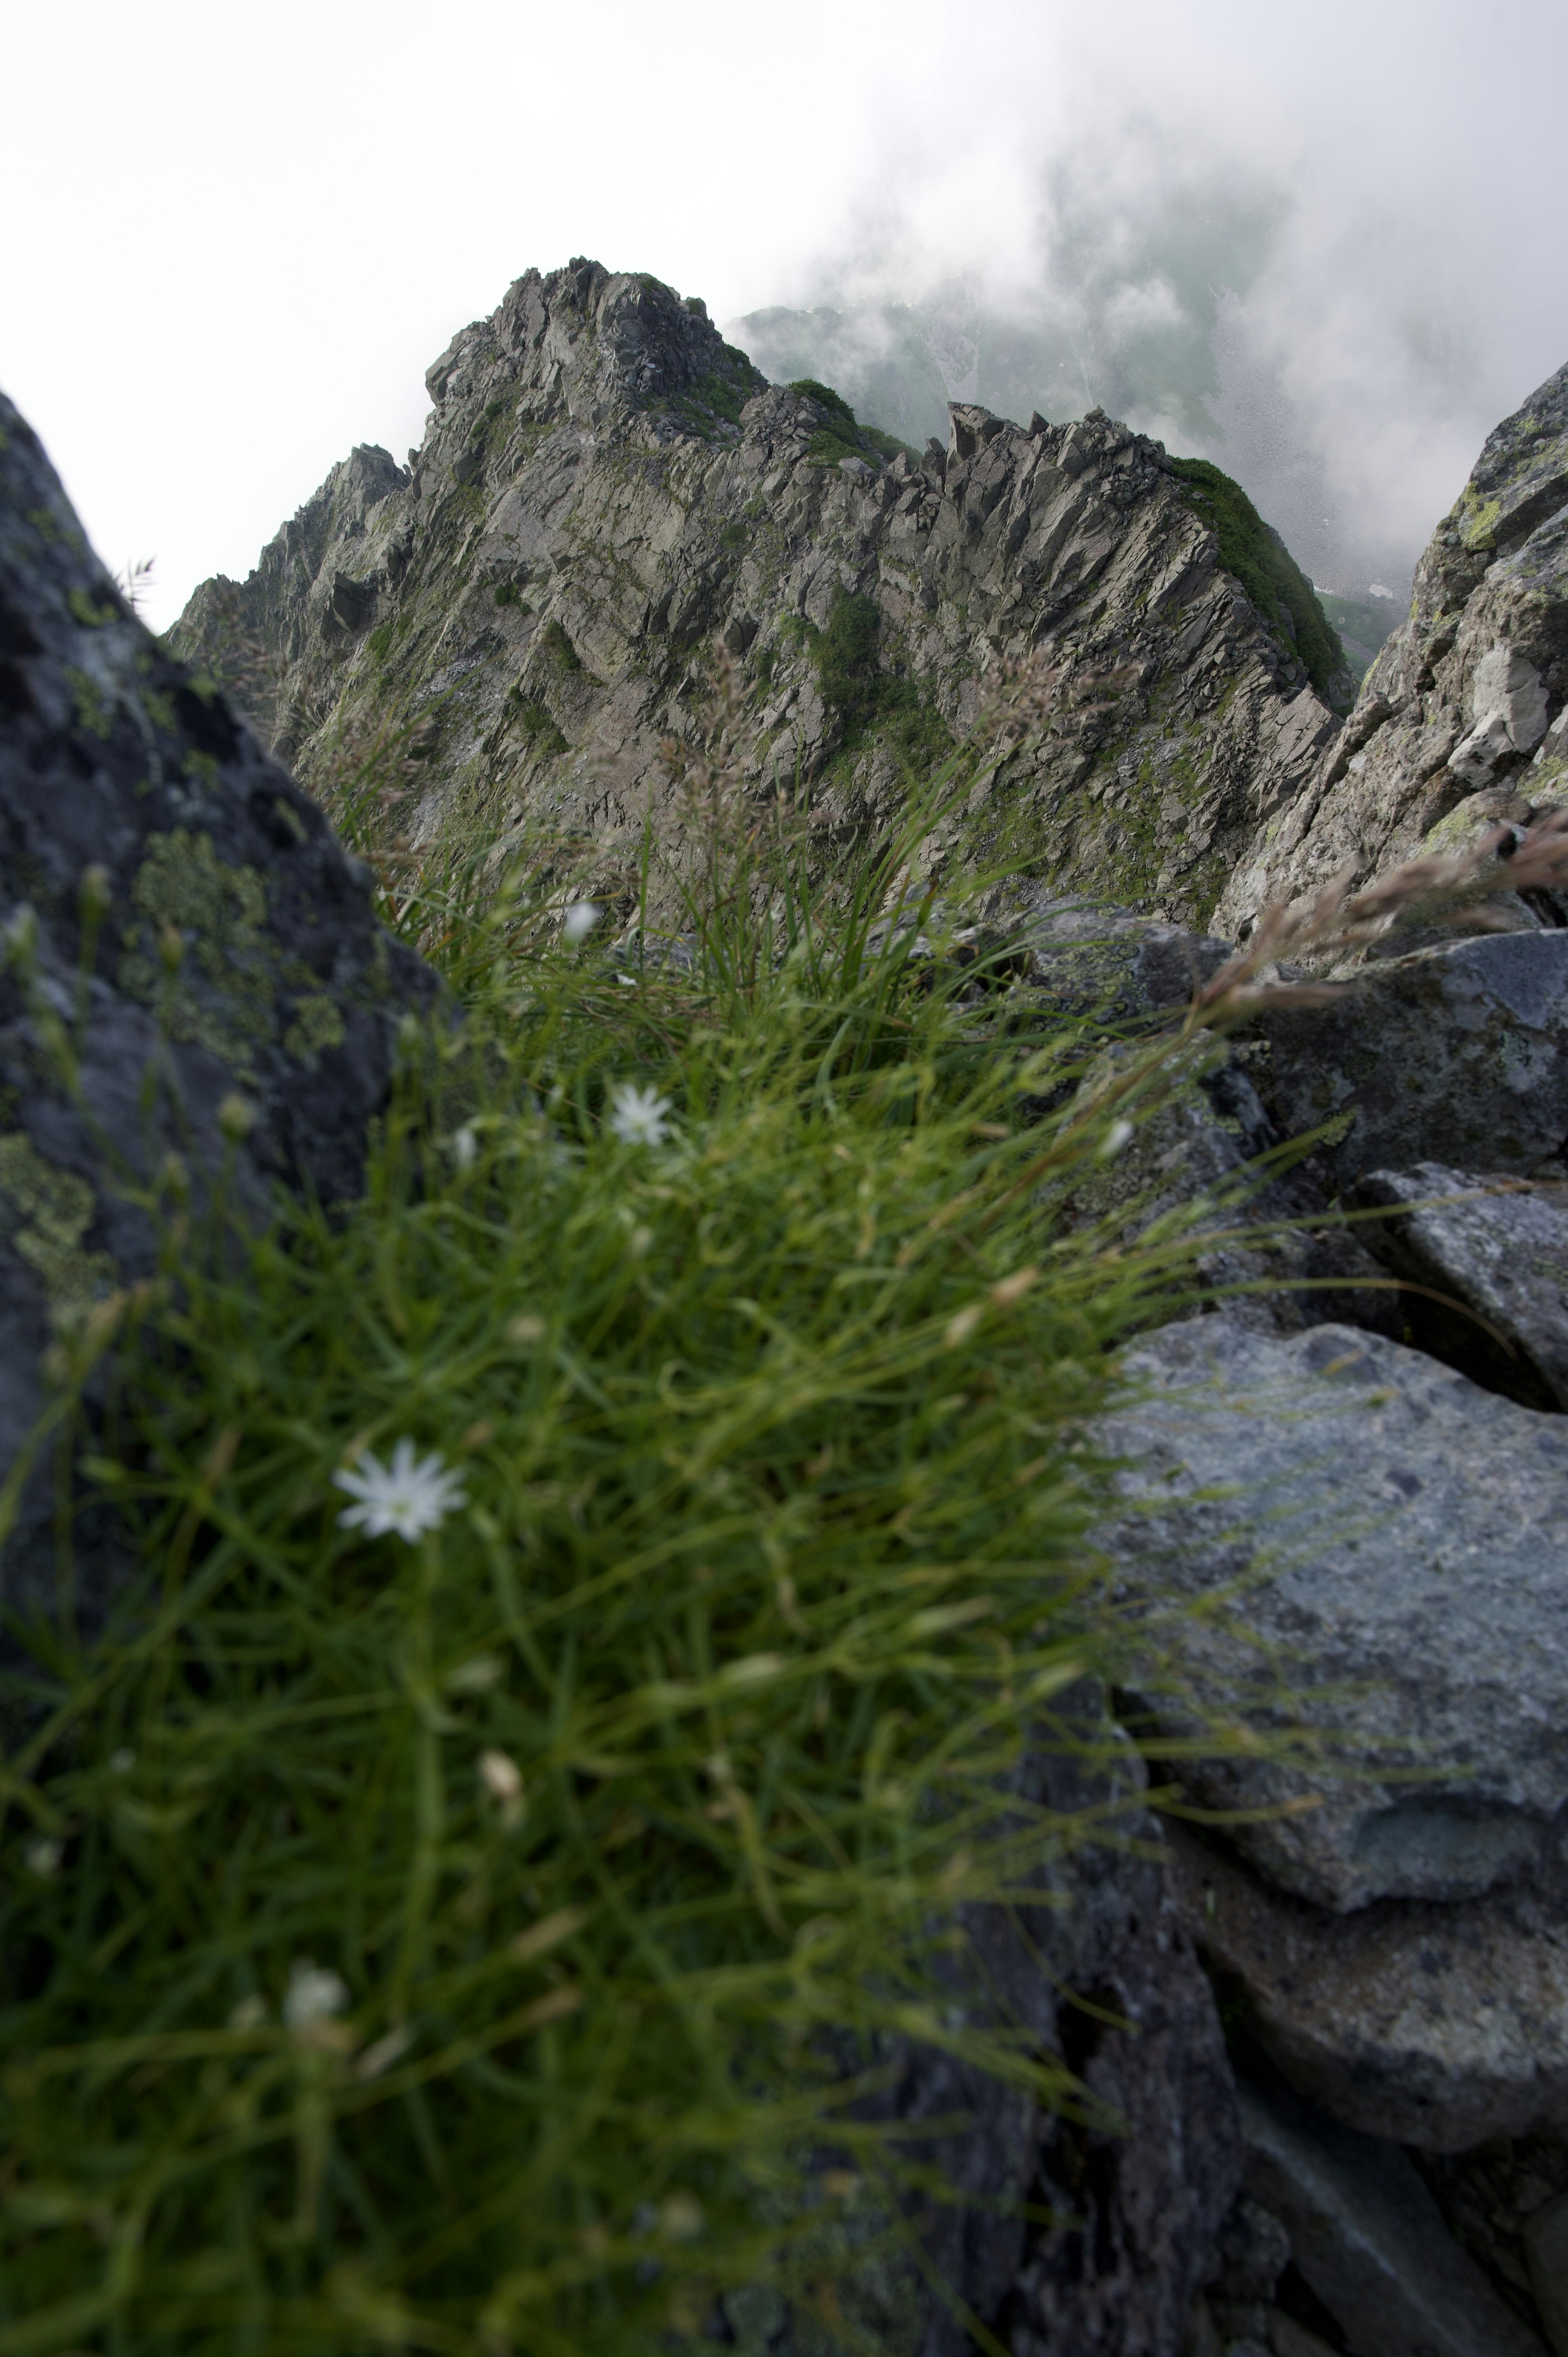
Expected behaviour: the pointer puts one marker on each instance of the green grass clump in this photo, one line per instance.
(843, 436)
(559, 647)
(866, 697)
(1265, 568)
(434, 1943)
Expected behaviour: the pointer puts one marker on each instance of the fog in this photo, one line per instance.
(1322, 250)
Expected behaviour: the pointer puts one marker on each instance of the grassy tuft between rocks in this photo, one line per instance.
(475, 1941)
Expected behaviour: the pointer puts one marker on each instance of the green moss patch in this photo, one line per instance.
(1264, 566)
(865, 696)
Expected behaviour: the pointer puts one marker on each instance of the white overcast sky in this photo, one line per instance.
(236, 236)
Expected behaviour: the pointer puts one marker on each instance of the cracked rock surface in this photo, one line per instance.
(1378, 1544)
(1456, 704)
(179, 929)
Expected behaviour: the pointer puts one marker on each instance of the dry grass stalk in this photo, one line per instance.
(1456, 888)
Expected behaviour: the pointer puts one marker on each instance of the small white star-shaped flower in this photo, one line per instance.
(638, 1116)
(313, 1995)
(580, 919)
(408, 1496)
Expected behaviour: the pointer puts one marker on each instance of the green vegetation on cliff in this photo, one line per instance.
(1255, 554)
(863, 696)
(843, 436)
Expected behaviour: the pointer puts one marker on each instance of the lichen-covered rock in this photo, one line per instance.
(1377, 1546)
(189, 965)
(1466, 697)
(1496, 1249)
(1456, 1055)
(604, 486)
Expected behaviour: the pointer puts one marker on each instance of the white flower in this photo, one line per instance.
(313, 1995)
(464, 1146)
(43, 1856)
(408, 1496)
(580, 919)
(1114, 1139)
(637, 1116)
(499, 1774)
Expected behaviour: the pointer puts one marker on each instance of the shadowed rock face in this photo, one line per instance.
(1087, 2235)
(177, 928)
(1459, 721)
(604, 486)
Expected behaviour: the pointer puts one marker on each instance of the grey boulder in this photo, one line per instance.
(1495, 1248)
(1457, 1055)
(1331, 1534)
(1436, 2026)
(189, 968)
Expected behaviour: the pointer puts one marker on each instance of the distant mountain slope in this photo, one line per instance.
(605, 484)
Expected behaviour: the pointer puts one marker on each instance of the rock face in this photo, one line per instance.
(604, 485)
(1071, 2235)
(1460, 720)
(1458, 1054)
(181, 932)
(1398, 1537)
(1502, 1256)
(1436, 2026)
(1369, 2239)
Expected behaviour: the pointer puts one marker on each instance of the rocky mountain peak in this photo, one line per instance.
(590, 345)
(604, 487)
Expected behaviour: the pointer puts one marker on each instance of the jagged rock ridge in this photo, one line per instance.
(1460, 721)
(604, 485)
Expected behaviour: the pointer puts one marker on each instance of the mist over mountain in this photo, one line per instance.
(1189, 310)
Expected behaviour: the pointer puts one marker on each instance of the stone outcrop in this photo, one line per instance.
(1386, 1540)
(1458, 1054)
(1072, 2235)
(192, 981)
(1461, 722)
(604, 486)
(1490, 1258)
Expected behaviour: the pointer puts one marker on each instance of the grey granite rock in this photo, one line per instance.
(604, 486)
(1378, 1547)
(1369, 2239)
(1438, 2025)
(178, 928)
(1497, 1248)
(1466, 695)
(1457, 1055)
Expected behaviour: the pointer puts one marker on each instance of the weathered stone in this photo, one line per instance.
(1457, 1055)
(179, 929)
(1124, 2204)
(1377, 1547)
(1437, 2026)
(604, 486)
(1497, 1249)
(1369, 2239)
(1460, 695)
